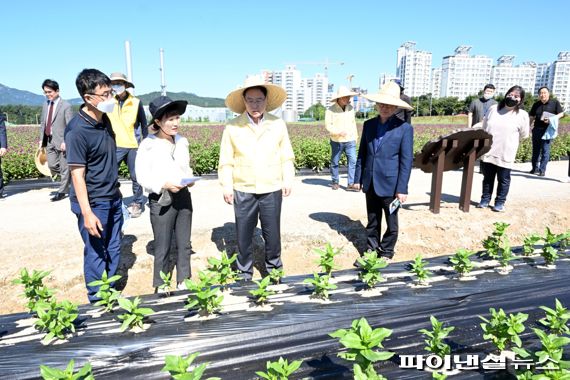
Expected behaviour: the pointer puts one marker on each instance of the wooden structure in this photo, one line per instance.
(460, 149)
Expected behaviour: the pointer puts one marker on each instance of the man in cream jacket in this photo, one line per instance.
(256, 170)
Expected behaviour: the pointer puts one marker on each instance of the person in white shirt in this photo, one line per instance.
(508, 123)
(162, 165)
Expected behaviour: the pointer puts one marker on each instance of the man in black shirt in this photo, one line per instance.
(95, 196)
(540, 113)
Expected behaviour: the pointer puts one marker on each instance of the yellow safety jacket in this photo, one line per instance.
(123, 121)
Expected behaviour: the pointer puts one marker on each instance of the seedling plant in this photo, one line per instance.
(556, 320)
(361, 341)
(279, 370)
(56, 318)
(435, 338)
(370, 265)
(206, 297)
(84, 373)
(321, 284)
(492, 243)
(34, 289)
(529, 242)
(549, 253)
(276, 275)
(261, 294)
(326, 260)
(549, 358)
(504, 253)
(222, 268)
(107, 294)
(167, 283)
(135, 315)
(418, 267)
(461, 262)
(503, 329)
(178, 367)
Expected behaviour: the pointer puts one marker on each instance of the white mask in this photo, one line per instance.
(118, 88)
(488, 96)
(107, 106)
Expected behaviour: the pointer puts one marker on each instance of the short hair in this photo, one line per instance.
(89, 79)
(51, 84)
(488, 86)
(260, 88)
(502, 103)
(547, 89)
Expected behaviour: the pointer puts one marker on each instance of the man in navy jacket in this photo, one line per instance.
(383, 167)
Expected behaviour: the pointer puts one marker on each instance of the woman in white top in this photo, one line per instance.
(508, 123)
(162, 165)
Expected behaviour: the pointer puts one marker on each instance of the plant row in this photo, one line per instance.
(310, 144)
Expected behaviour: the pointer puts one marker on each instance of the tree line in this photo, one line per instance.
(423, 105)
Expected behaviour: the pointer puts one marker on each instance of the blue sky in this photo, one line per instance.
(210, 46)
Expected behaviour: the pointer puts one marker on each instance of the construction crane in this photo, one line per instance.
(326, 63)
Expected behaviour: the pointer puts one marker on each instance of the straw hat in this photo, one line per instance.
(121, 77)
(276, 95)
(41, 162)
(389, 94)
(342, 92)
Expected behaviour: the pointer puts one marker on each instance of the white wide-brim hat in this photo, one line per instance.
(40, 159)
(389, 94)
(342, 92)
(276, 95)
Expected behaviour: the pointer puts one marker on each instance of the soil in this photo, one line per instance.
(42, 235)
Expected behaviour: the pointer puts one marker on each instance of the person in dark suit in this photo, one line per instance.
(3, 150)
(56, 114)
(384, 165)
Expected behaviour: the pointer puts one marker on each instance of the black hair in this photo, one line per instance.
(51, 84)
(547, 89)
(165, 115)
(502, 103)
(488, 86)
(89, 79)
(260, 88)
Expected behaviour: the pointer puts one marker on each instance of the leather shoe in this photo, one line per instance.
(58, 197)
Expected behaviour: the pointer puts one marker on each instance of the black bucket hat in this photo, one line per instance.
(163, 104)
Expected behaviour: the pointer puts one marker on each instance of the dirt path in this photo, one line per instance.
(38, 234)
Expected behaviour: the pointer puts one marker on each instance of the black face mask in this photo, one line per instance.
(510, 102)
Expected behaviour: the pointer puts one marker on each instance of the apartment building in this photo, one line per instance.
(504, 75)
(413, 67)
(560, 85)
(463, 74)
(435, 88)
(543, 77)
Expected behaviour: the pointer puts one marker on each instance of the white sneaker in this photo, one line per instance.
(135, 210)
(181, 286)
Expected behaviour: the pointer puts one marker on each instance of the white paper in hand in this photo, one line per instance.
(189, 180)
(394, 205)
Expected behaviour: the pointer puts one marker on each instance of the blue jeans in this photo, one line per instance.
(101, 254)
(349, 149)
(540, 150)
(129, 155)
(490, 171)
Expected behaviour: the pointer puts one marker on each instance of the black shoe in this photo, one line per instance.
(58, 197)
(356, 264)
(541, 174)
(533, 171)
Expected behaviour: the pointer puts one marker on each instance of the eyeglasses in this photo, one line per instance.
(105, 95)
(255, 102)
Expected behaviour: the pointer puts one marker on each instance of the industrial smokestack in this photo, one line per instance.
(129, 64)
(162, 82)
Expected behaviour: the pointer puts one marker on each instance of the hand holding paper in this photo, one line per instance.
(189, 180)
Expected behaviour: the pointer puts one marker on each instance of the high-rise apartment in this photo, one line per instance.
(413, 67)
(435, 88)
(463, 75)
(560, 85)
(504, 75)
(543, 77)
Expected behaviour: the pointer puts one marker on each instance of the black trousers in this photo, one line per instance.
(249, 208)
(2, 178)
(503, 175)
(375, 206)
(175, 218)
